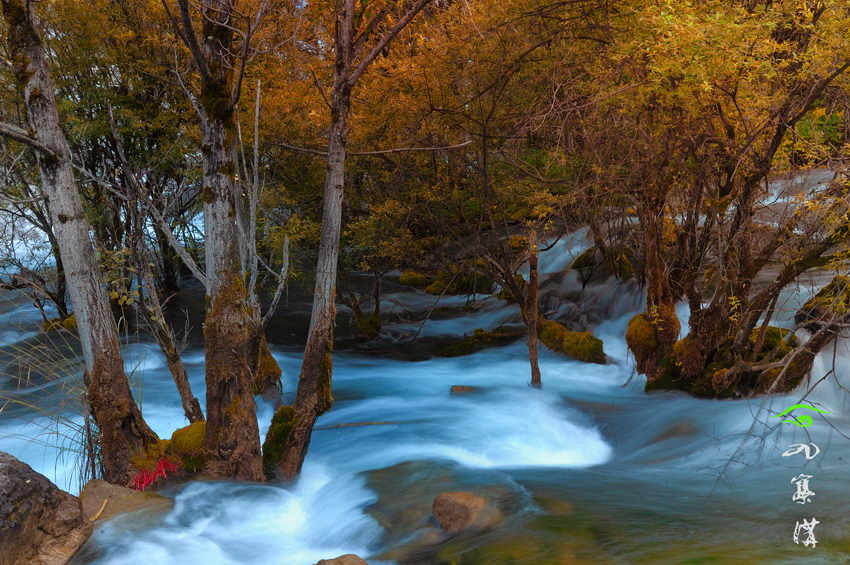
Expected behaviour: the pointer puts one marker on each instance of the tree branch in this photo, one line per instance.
(20, 135)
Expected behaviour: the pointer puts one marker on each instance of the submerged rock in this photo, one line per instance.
(458, 511)
(582, 346)
(463, 389)
(347, 559)
(39, 523)
(101, 500)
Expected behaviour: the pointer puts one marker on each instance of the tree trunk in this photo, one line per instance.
(532, 308)
(165, 336)
(232, 440)
(314, 396)
(123, 431)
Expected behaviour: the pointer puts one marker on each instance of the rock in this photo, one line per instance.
(482, 338)
(458, 511)
(582, 346)
(463, 389)
(39, 523)
(102, 500)
(347, 559)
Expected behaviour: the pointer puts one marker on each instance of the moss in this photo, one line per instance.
(586, 260)
(479, 339)
(326, 398)
(187, 446)
(276, 439)
(518, 243)
(51, 324)
(668, 378)
(367, 327)
(267, 374)
(465, 278)
(413, 278)
(621, 265)
(70, 323)
(641, 336)
(689, 357)
(148, 458)
(777, 342)
(582, 346)
(830, 301)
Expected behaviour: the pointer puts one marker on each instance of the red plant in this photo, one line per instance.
(146, 477)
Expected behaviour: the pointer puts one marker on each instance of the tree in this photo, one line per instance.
(123, 431)
(233, 335)
(354, 50)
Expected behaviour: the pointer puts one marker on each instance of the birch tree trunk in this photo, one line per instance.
(123, 431)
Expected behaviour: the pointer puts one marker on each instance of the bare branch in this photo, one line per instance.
(20, 135)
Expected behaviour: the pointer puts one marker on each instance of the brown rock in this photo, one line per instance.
(457, 511)
(463, 389)
(39, 523)
(347, 559)
(102, 500)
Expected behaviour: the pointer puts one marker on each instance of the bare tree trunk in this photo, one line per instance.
(153, 313)
(532, 308)
(314, 395)
(123, 431)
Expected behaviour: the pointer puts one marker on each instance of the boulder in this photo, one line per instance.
(39, 523)
(102, 500)
(582, 346)
(347, 559)
(458, 511)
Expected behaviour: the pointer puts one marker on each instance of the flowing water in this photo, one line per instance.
(590, 469)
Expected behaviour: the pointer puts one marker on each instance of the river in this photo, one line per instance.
(590, 469)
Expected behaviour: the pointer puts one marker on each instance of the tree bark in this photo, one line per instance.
(123, 431)
(232, 439)
(531, 307)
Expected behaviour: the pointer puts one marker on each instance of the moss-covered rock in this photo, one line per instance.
(414, 278)
(276, 437)
(711, 375)
(642, 339)
(187, 446)
(69, 323)
(832, 300)
(466, 278)
(582, 346)
(480, 339)
(650, 337)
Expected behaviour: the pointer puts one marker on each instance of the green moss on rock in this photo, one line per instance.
(479, 339)
(465, 278)
(187, 446)
(414, 278)
(832, 300)
(582, 346)
(276, 438)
